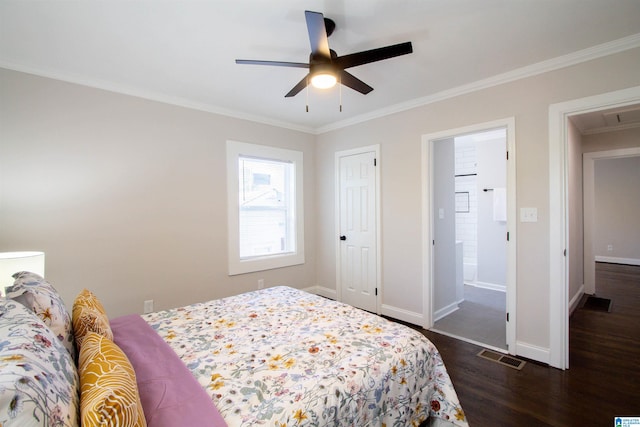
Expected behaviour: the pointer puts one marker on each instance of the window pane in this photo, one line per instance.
(266, 207)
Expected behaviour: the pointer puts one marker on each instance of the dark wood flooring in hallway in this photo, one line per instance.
(603, 379)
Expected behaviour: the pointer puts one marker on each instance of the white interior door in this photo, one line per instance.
(357, 268)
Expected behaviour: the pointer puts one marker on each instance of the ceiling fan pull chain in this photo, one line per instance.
(340, 89)
(307, 90)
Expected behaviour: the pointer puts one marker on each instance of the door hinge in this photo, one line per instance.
(507, 155)
(375, 162)
(507, 316)
(507, 236)
(376, 291)
(564, 252)
(433, 243)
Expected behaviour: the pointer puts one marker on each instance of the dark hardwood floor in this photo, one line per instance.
(603, 379)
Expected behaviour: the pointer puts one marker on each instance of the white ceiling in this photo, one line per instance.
(183, 52)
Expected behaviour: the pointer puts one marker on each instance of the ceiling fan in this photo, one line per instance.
(325, 66)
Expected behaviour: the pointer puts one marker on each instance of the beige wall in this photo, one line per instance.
(597, 148)
(617, 208)
(399, 136)
(126, 196)
(616, 194)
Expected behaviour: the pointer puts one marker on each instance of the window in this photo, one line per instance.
(266, 226)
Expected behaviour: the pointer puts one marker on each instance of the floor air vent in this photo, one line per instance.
(598, 304)
(503, 359)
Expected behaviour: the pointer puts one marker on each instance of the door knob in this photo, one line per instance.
(343, 237)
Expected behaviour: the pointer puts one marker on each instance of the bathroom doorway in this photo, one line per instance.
(473, 262)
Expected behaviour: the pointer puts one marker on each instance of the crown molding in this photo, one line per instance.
(152, 96)
(574, 58)
(584, 55)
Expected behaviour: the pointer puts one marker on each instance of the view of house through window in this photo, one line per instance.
(266, 207)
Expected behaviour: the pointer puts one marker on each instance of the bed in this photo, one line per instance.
(274, 357)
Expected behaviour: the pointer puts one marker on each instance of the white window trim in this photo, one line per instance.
(236, 149)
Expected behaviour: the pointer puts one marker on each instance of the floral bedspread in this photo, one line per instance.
(284, 357)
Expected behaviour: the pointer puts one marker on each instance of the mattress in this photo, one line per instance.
(284, 357)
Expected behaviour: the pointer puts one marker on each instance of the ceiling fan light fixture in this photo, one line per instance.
(323, 80)
(326, 68)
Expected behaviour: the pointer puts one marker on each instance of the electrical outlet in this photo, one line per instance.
(148, 306)
(609, 248)
(260, 283)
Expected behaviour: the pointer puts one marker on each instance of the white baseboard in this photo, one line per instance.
(386, 310)
(533, 352)
(322, 291)
(402, 314)
(575, 300)
(617, 260)
(445, 311)
(487, 285)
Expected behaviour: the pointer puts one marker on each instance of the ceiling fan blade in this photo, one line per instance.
(373, 55)
(276, 63)
(317, 34)
(354, 83)
(297, 88)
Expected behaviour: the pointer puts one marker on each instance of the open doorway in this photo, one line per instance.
(478, 310)
(470, 262)
(562, 229)
(611, 201)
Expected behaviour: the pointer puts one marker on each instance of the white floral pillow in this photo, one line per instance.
(38, 378)
(35, 293)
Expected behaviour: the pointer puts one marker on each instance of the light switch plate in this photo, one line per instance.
(528, 214)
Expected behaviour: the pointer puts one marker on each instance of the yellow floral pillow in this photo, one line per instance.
(108, 390)
(88, 315)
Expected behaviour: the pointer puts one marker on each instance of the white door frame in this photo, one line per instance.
(338, 155)
(558, 213)
(428, 225)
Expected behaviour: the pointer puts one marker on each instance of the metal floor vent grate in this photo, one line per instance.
(503, 359)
